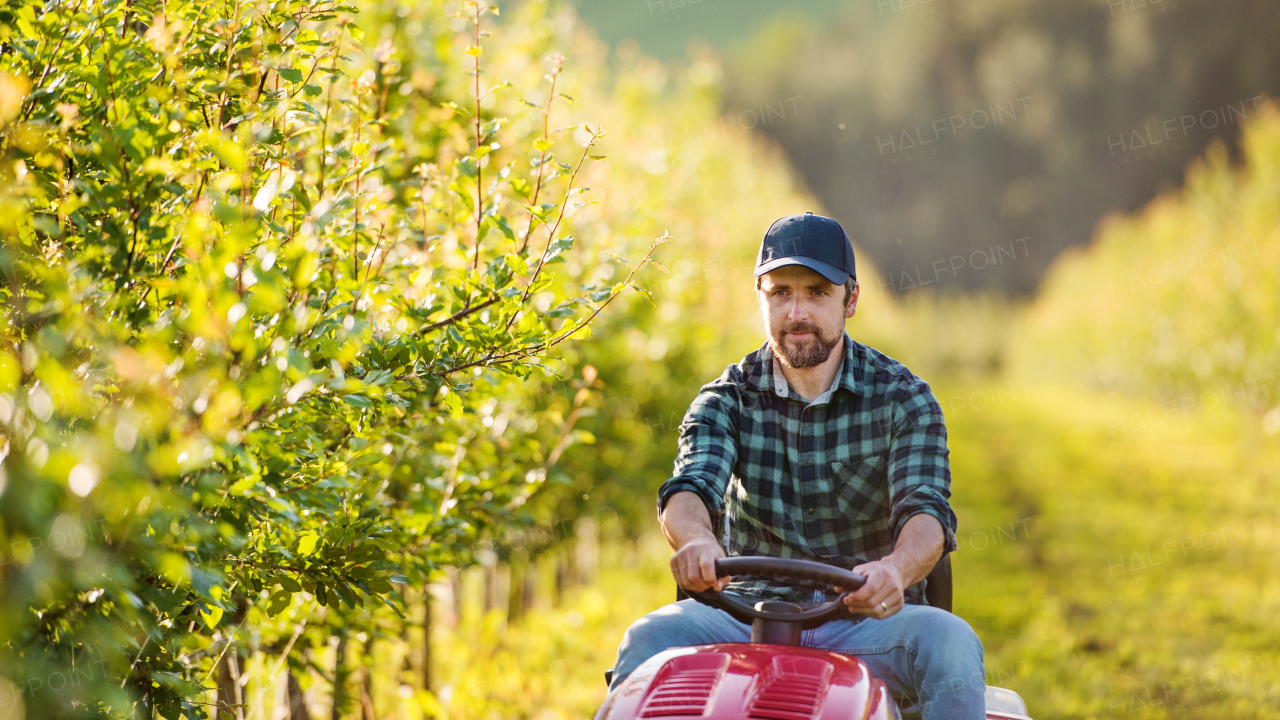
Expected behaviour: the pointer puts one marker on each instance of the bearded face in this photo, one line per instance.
(804, 315)
(804, 344)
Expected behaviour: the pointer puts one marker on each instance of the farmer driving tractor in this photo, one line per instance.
(817, 447)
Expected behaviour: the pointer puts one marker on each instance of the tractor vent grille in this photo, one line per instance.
(684, 686)
(792, 689)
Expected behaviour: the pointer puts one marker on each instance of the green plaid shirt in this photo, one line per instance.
(832, 480)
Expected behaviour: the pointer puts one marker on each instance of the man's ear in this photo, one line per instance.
(852, 307)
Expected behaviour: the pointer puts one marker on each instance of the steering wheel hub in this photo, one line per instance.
(778, 607)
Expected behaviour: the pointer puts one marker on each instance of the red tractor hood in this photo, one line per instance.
(739, 681)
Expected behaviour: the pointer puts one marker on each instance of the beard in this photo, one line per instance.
(800, 354)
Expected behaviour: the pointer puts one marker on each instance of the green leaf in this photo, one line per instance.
(462, 193)
(292, 75)
(299, 192)
(358, 401)
(643, 293)
(528, 324)
(307, 544)
(212, 617)
(454, 403)
(559, 246)
(505, 227)
(278, 602)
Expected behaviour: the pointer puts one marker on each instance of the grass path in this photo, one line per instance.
(1118, 561)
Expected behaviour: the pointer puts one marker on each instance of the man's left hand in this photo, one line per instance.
(884, 585)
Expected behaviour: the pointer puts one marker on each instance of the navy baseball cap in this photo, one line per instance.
(813, 241)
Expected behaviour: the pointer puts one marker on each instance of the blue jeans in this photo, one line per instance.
(930, 660)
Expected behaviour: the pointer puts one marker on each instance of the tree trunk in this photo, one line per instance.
(588, 549)
(529, 594)
(296, 699)
(497, 580)
(230, 699)
(564, 577)
(490, 581)
(515, 595)
(366, 683)
(426, 638)
(226, 689)
(455, 590)
(339, 678)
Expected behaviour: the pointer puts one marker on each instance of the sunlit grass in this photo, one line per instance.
(551, 665)
(1110, 572)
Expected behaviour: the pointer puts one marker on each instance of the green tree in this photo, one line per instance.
(270, 292)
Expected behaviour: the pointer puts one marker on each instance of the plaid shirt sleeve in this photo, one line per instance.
(919, 469)
(707, 452)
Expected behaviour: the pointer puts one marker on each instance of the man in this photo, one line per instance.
(817, 447)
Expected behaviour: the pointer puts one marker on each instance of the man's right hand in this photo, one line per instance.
(694, 565)
(687, 525)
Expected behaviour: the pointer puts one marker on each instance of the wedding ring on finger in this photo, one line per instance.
(883, 607)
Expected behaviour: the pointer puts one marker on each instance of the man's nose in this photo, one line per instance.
(798, 310)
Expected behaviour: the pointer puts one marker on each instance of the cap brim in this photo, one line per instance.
(830, 272)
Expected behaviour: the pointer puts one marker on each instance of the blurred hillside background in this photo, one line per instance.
(1067, 214)
(934, 130)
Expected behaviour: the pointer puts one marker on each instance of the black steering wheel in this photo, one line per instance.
(770, 610)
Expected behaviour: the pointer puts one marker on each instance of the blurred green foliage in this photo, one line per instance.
(1181, 300)
(275, 299)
